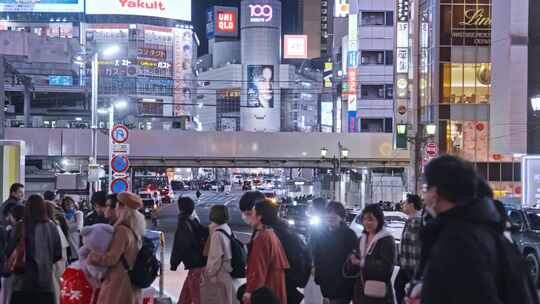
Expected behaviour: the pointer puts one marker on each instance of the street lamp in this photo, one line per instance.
(431, 129)
(343, 153)
(82, 59)
(535, 103)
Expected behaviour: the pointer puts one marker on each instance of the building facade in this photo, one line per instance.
(152, 69)
(457, 92)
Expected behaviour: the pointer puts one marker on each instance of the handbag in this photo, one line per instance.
(375, 289)
(17, 260)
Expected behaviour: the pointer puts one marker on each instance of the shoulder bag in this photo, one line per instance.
(17, 260)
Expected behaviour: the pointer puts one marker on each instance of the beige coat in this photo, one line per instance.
(217, 284)
(117, 288)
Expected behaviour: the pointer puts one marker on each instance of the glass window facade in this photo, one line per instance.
(455, 83)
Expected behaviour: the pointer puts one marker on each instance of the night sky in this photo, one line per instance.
(199, 17)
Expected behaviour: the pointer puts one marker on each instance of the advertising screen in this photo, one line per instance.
(172, 9)
(295, 47)
(226, 21)
(260, 86)
(54, 6)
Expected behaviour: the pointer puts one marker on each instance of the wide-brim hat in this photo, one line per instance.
(130, 200)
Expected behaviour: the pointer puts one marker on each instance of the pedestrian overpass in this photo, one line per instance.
(178, 148)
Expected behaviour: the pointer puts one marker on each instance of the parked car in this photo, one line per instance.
(525, 232)
(394, 222)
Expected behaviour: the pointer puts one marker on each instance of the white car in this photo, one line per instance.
(394, 222)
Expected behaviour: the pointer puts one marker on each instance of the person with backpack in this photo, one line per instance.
(331, 251)
(124, 251)
(217, 281)
(189, 242)
(267, 261)
(465, 257)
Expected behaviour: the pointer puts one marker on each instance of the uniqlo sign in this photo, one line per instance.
(222, 22)
(226, 21)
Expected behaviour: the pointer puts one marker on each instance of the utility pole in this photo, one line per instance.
(2, 98)
(416, 110)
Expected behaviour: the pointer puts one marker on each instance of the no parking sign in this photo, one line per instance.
(119, 185)
(120, 163)
(119, 134)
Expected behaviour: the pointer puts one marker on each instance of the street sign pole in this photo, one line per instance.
(111, 126)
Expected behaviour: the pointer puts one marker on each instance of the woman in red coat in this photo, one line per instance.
(267, 261)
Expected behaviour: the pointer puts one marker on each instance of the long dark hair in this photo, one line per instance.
(35, 210)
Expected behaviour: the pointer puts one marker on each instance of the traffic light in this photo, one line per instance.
(400, 137)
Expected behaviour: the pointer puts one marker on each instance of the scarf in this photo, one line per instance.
(365, 250)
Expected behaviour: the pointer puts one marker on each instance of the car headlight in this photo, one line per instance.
(314, 220)
(291, 222)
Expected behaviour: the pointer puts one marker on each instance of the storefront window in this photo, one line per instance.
(465, 83)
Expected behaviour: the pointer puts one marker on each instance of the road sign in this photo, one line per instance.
(120, 163)
(119, 185)
(432, 149)
(119, 134)
(120, 148)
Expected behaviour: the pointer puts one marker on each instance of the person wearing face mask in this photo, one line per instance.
(267, 261)
(247, 202)
(375, 258)
(460, 260)
(330, 252)
(74, 220)
(189, 242)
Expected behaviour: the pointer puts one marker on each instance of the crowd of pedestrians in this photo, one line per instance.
(452, 250)
(41, 236)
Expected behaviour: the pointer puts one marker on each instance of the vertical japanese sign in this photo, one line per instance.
(182, 70)
(352, 66)
(402, 59)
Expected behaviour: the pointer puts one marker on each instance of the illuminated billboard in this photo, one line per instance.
(53, 6)
(295, 46)
(171, 9)
(222, 22)
(260, 86)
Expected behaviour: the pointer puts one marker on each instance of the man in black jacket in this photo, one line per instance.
(16, 196)
(459, 246)
(189, 242)
(330, 251)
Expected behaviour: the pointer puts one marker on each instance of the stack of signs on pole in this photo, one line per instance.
(401, 104)
(352, 65)
(119, 158)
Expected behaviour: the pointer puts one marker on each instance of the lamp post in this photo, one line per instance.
(343, 153)
(535, 104)
(119, 104)
(94, 61)
(424, 133)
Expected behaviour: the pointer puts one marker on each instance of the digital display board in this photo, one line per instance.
(222, 21)
(260, 86)
(295, 47)
(54, 6)
(171, 9)
(60, 80)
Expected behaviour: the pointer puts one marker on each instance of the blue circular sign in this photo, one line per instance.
(120, 163)
(119, 185)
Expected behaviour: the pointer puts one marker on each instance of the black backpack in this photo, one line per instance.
(238, 254)
(299, 256)
(146, 267)
(515, 285)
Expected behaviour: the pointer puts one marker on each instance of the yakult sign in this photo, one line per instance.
(260, 13)
(172, 9)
